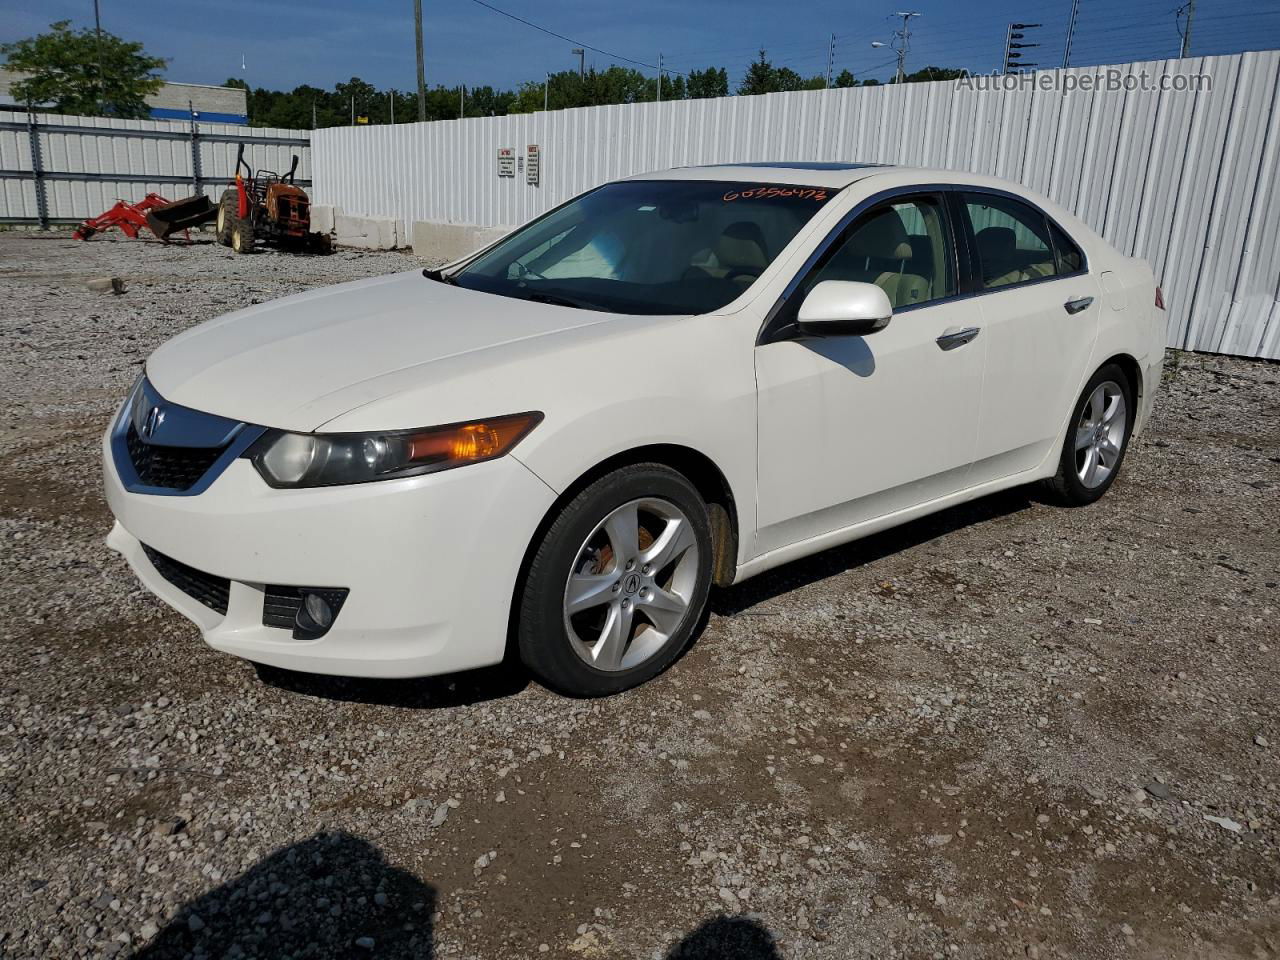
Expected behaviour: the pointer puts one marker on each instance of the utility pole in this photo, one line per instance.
(1012, 56)
(1071, 30)
(546, 93)
(659, 78)
(102, 80)
(313, 114)
(392, 97)
(1189, 8)
(353, 109)
(901, 41)
(831, 55)
(582, 62)
(422, 69)
(462, 101)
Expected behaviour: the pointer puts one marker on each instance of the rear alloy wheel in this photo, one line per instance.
(618, 584)
(1097, 438)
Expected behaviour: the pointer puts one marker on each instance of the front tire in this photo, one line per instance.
(618, 583)
(1097, 438)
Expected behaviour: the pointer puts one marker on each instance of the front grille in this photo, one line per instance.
(280, 605)
(210, 590)
(173, 468)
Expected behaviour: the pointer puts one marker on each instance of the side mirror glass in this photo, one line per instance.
(844, 308)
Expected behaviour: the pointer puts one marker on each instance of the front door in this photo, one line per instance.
(853, 428)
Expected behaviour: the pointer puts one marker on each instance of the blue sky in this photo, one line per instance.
(321, 42)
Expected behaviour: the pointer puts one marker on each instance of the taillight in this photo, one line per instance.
(1159, 298)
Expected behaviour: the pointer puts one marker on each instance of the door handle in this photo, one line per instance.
(954, 337)
(1078, 304)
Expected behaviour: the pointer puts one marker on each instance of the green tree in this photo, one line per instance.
(763, 77)
(711, 82)
(62, 70)
(847, 79)
(930, 74)
(759, 78)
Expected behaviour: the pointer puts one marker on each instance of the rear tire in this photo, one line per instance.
(618, 583)
(226, 214)
(242, 238)
(1097, 438)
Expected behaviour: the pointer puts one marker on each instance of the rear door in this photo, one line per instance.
(1040, 308)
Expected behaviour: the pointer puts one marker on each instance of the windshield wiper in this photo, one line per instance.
(439, 276)
(559, 300)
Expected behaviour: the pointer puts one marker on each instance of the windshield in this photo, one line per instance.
(648, 246)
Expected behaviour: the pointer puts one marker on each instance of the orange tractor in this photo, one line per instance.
(267, 208)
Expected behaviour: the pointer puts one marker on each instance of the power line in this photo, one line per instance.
(577, 43)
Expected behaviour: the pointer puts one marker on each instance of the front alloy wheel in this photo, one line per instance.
(617, 584)
(629, 589)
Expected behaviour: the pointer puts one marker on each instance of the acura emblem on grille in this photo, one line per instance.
(155, 417)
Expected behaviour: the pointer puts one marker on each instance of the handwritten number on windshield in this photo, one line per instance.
(765, 193)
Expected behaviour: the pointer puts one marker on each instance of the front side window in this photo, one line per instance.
(1012, 240)
(648, 246)
(903, 247)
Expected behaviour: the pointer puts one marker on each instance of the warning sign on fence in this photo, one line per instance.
(533, 165)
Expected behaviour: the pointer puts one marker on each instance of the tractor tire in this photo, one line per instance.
(226, 214)
(242, 238)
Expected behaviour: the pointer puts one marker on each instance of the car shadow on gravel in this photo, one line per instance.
(332, 895)
(727, 938)
(821, 566)
(424, 693)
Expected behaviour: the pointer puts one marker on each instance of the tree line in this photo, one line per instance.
(75, 71)
(357, 101)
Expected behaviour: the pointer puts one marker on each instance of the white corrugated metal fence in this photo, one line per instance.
(1187, 179)
(87, 163)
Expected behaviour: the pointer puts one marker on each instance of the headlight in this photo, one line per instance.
(322, 460)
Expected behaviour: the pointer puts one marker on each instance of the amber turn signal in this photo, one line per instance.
(472, 442)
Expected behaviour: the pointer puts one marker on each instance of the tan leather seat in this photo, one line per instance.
(740, 252)
(882, 243)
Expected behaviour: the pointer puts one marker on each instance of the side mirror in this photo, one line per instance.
(844, 308)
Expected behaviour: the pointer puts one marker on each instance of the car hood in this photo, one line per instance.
(301, 361)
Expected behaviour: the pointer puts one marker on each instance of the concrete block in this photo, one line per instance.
(368, 233)
(322, 217)
(445, 242)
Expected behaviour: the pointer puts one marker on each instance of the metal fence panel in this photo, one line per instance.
(1186, 180)
(87, 163)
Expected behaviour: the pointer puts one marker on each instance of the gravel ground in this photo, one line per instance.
(1006, 730)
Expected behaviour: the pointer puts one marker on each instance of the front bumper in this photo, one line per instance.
(431, 562)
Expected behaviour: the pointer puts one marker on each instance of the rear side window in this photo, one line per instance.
(1070, 259)
(1012, 238)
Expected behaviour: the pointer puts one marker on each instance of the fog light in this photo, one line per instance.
(315, 616)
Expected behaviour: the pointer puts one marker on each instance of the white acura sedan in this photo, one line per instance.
(557, 445)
